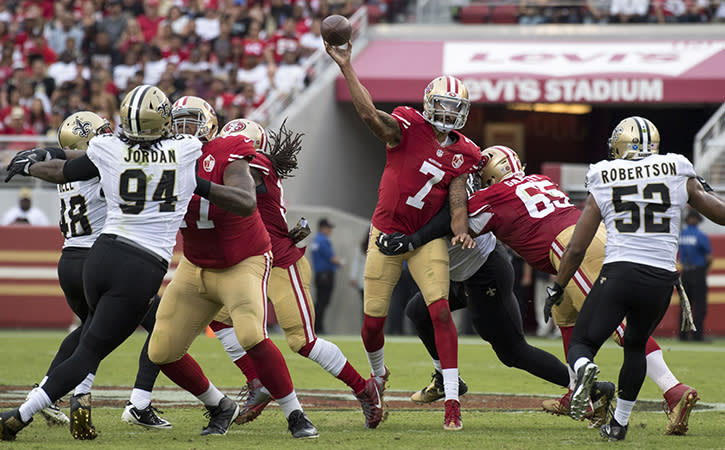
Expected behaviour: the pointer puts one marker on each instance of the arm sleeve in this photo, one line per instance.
(80, 169)
(438, 226)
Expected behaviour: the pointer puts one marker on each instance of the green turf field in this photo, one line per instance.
(25, 356)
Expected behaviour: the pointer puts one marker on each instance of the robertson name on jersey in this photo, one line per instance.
(641, 202)
(273, 208)
(215, 238)
(417, 173)
(147, 190)
(526, 212)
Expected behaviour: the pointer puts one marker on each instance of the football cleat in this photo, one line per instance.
(382, 380)
(256, 397)
(372, 403)
(435, 391)
(146, 417)
(300, 426)
(678, 404)
(452, 421)
(81, 425)
(220, 417)
(52, 414)
(613, 431)
(11, 424)
(585, 378)
(599, 408)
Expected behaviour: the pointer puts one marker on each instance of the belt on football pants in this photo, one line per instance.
(130, 243)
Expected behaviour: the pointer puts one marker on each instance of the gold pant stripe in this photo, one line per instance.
(265, 281)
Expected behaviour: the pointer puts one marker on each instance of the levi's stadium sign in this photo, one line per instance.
(555, 71)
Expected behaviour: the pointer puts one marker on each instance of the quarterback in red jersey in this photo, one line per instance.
(532, 216)
(427, 161)
(226, 263)
(289, 280)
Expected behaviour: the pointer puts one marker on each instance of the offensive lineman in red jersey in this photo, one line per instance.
(532, 216)
(289, 281)
(226, 263)
(427, 161)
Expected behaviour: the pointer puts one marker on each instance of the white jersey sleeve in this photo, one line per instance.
(82, 212)
(466, 262)
(641, 202)
(147, 190)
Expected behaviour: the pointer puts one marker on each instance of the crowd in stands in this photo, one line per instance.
(61, 56)
(535, 12)
(58, 57)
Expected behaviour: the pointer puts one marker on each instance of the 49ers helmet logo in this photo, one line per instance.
(208, 163)
(234, 127)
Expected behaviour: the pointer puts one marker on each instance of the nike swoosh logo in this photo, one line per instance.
(379, 404)
(247, 140)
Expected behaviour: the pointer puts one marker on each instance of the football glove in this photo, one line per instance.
(395, 243)
(556, 295)
(300, 231)
(21, 162)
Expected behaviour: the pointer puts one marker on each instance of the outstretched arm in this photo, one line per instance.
(707, 203)
(382, 124)
(237, 195)
(586, 228)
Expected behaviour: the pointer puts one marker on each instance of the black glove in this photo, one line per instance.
(21, 162)
(556, 295)
(300, 231)
(395, 243)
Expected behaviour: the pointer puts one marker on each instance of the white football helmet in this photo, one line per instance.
(78, 128)
(247, 128)
(634, 138)
(190, 110)
(446, 104)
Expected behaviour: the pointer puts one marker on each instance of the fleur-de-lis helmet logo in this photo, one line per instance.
(164, 109)
(82, 128)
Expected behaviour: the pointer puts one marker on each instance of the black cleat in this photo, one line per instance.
(81, 425)
(613, 431)
(11, 424)
(435, 391)
(602, 394)
(300, 426)
(221, 417)
(145, 417)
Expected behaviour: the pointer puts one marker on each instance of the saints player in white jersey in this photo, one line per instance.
(82, 215)
(148, 180)
(640, 195)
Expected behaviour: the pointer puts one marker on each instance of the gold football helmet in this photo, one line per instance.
(634, 138)
(78, 128)
(497, 163)
(248, 128)
(190, 110)
(146, 114)
(446, 104)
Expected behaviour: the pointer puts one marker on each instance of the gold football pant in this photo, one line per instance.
(289, 292)
(428, 266)
(194, 297)
(578, 288)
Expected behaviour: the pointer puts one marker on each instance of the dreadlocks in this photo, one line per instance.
(284, 145)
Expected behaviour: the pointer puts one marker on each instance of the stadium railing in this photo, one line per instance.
(709, 148)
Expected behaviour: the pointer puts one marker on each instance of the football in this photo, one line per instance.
(336, 30)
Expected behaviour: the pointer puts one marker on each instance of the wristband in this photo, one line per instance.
(202, 187)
